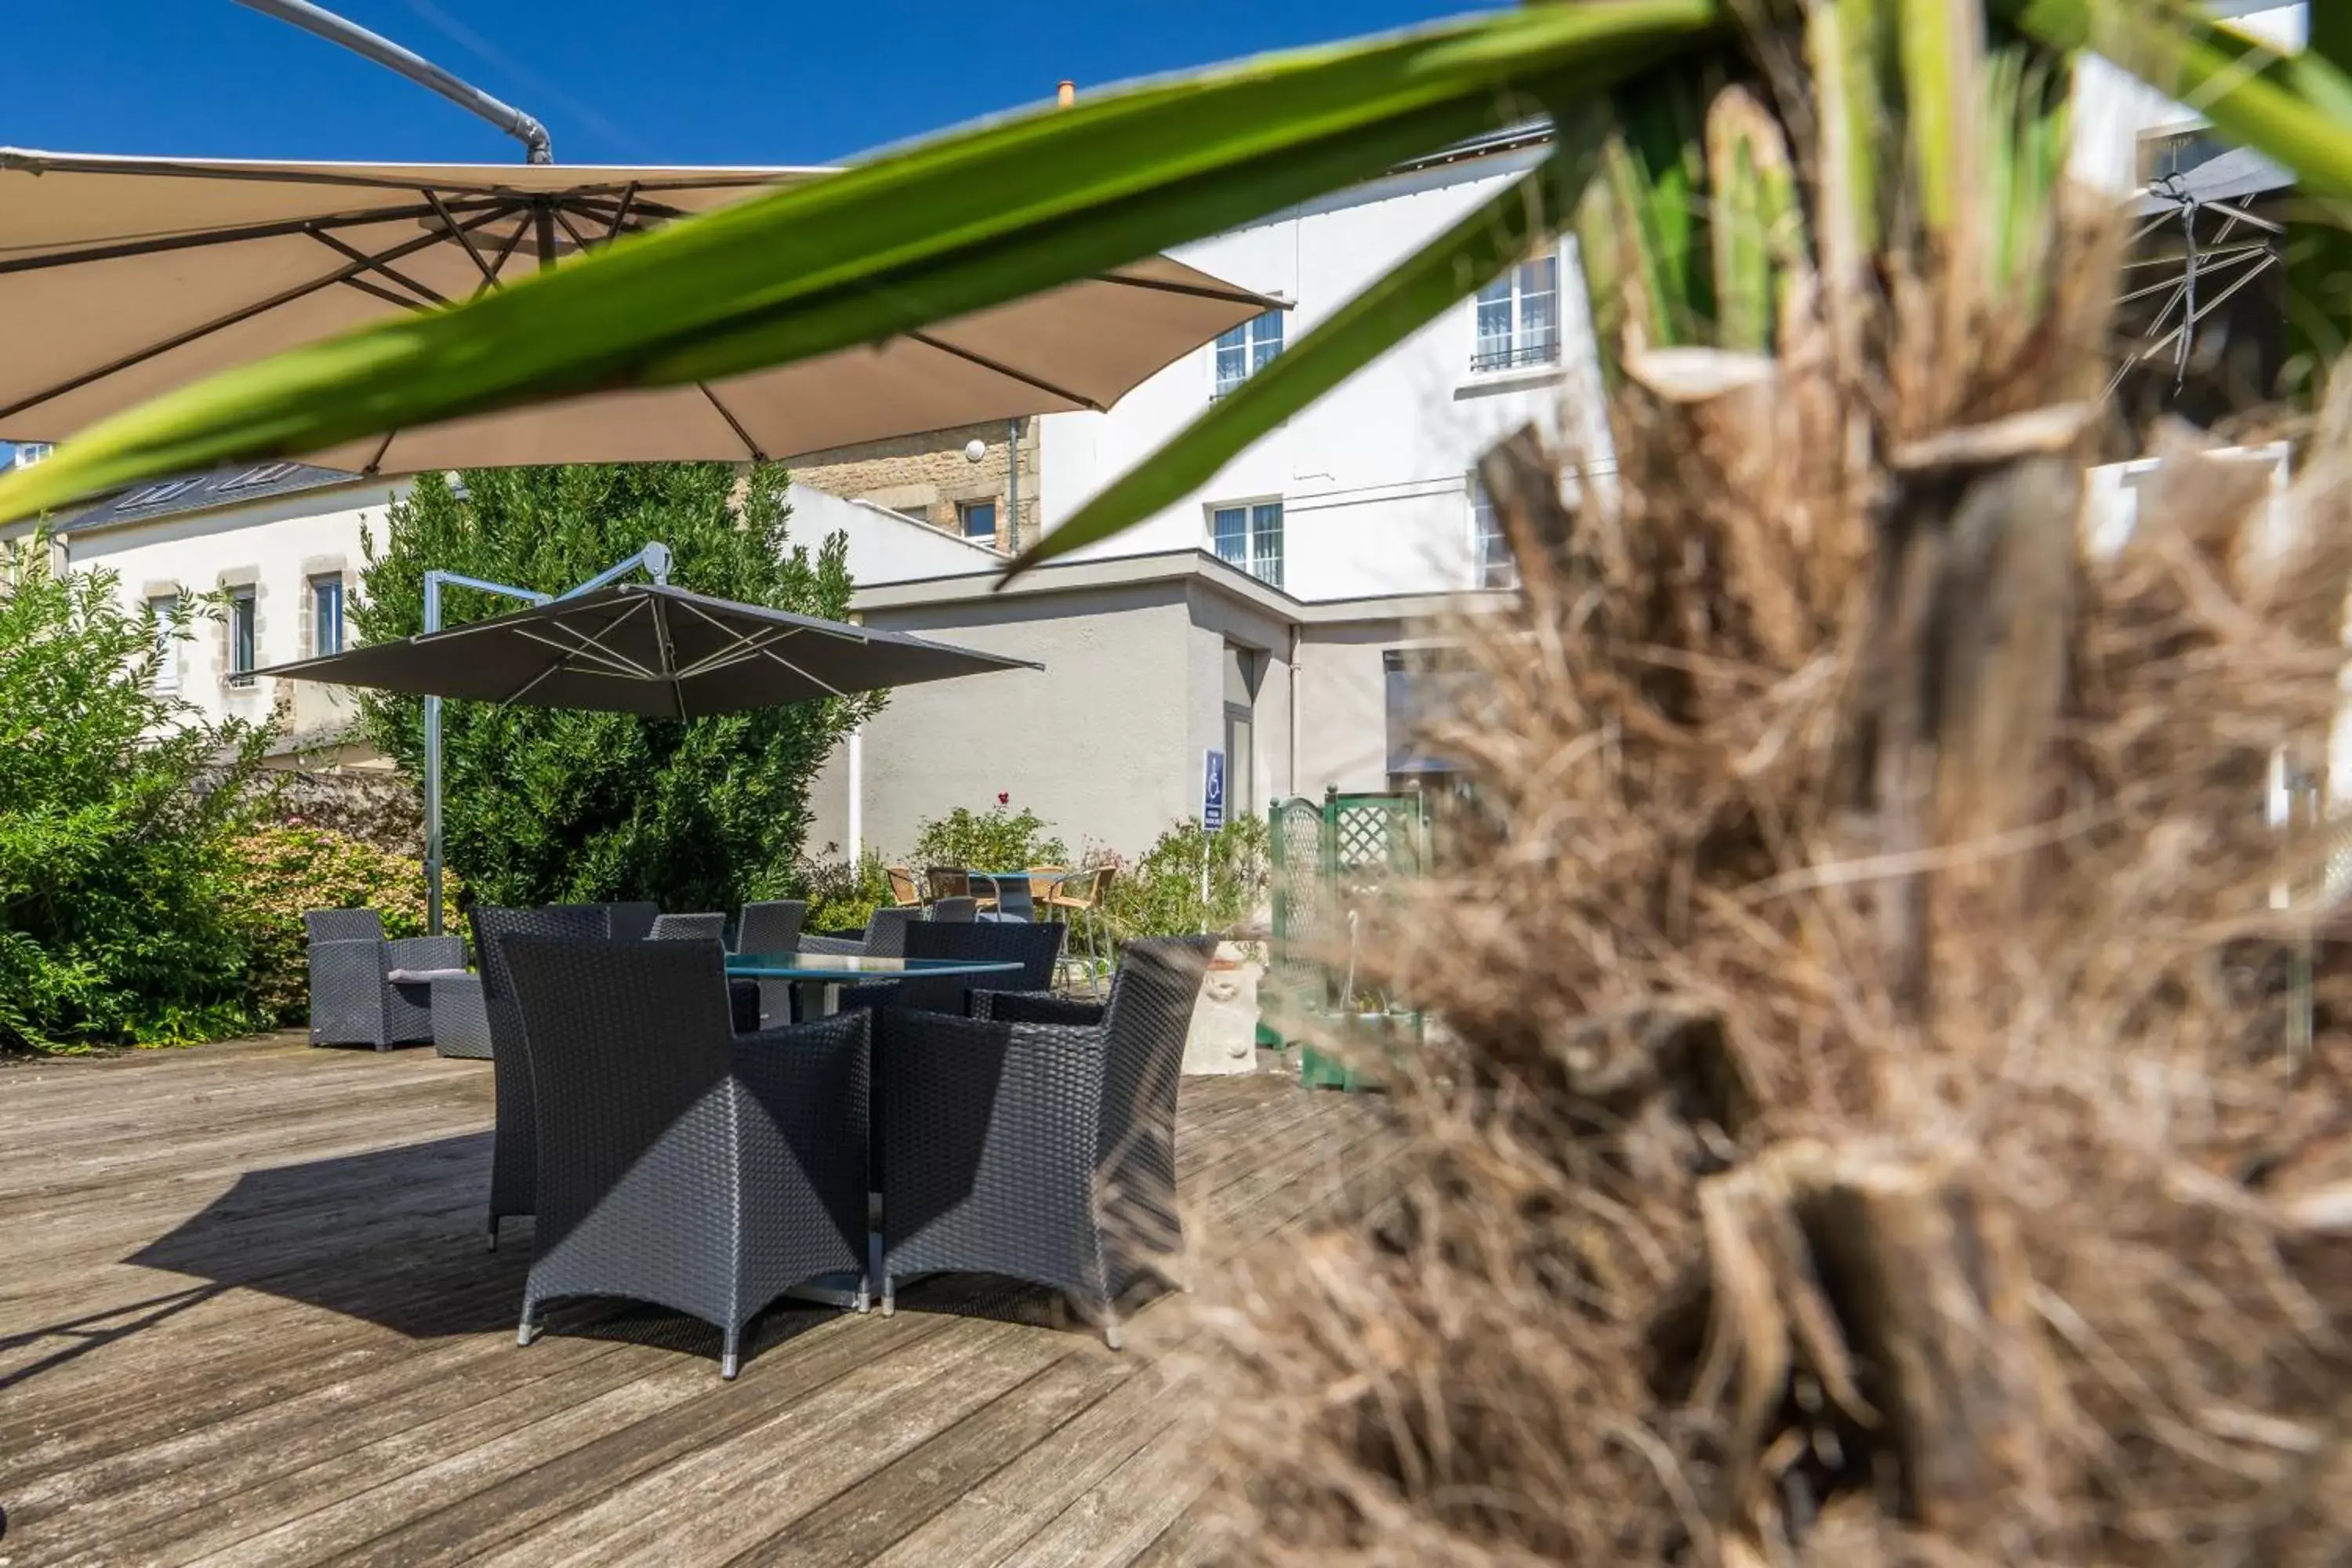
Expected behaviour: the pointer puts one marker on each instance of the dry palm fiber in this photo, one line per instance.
(1865, 1126)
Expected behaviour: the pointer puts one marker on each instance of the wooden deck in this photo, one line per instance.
(246, 1317)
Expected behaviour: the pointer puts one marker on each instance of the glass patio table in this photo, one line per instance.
(817, 977)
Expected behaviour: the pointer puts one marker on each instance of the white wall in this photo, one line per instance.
(884, 547)
(1100, 742)
(1373, 478)
(277, 545)
(2113, 109)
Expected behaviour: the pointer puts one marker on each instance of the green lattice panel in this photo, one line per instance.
(1302, 919)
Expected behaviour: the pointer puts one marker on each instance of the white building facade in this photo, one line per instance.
(1367, 494)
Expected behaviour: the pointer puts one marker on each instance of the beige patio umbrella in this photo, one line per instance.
(121, 278)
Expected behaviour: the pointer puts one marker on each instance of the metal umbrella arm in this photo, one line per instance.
(654, 558)
(326, 25)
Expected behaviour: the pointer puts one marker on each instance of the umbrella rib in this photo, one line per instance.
(1005, 370)
(733, 423)
(386, 294)
(804, 674)
(621, 213)
(782, 632)
(464, 237)
(742, 649)
(198, 239)
(431, 296)
(499, 265)
(222, 323)
(519, 693)
(376, 462)
(579, 241)
(1196, 290)
(587, 648)
(668, 659)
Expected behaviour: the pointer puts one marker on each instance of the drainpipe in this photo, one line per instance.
(856, 794)
(1012, 484)
(1294, 707)
(857, 828)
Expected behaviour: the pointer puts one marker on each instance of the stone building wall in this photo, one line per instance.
(926, 476)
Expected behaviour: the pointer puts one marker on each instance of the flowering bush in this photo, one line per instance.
(282, 871)
(997, 840)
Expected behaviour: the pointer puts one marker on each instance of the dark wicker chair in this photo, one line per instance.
(355, 999)
(623, 921)
(1042, 1152)
(678, 1163)
(885, 936)
(769, 928)
(1034, 947)
(514, 1159)
(686, 928)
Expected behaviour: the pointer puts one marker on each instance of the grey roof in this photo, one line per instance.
(233, 486)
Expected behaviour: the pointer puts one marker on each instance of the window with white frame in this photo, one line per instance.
(1519, 318)
(163, 612)
(1249, 537)
(978, 521)
(327, 613)
(1246, 349)
(1494, 564)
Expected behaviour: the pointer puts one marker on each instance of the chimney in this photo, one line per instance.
(1065, 94)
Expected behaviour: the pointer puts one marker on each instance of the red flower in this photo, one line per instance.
(1005, 797)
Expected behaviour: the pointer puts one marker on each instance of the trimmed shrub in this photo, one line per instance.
(281, 872)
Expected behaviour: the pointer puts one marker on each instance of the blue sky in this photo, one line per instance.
(690, 81)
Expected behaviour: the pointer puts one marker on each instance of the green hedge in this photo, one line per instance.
(282, 871)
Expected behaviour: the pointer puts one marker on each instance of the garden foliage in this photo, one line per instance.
(1159, 893)
(997, 840)
(547, 806)
(285, 869)
(118, 809)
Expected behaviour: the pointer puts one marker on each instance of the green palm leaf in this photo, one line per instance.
(1463, 259)
(973, 220)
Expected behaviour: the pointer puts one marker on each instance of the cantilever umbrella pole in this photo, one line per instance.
(654, 558)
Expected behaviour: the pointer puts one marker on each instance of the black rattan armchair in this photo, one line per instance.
(514, 1159)
(368, 991)
(627, 921)
(1034, 947)
(773, 927)
(885, 936)
(678, 1163)
(1042, 1152)
(688, 927)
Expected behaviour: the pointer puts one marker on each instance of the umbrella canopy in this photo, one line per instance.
(651, 649)
(122, 279)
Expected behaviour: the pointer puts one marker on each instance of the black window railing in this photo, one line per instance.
(1516, 356)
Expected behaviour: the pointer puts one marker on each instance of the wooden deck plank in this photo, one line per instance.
(246, 1318)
